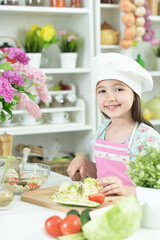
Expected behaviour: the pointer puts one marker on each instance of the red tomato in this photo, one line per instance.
(33, 186)
(99, 197)
(71, 224)
(52, 226)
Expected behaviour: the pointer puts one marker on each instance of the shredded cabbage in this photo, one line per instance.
(72, 191)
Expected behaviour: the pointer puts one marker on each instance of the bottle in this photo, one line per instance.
(6, 144)
(140, 61)
(78, 4)
(6, 195)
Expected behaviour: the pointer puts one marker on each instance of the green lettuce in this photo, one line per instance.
(119, 222)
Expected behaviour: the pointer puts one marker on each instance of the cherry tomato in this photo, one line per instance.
(71, 224)
(52, 226)
(99, 197)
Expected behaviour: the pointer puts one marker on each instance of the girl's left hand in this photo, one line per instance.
(112, 185)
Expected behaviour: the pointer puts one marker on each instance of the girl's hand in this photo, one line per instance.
(112, 185)
(77, 165)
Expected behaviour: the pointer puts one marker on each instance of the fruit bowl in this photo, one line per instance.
(33, 177)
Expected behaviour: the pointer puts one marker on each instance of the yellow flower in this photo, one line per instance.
(47, 32)
(33, 28)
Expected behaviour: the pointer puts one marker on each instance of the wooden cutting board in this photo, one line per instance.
(42, 197)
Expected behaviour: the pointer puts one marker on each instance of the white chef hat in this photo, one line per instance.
(123, 68)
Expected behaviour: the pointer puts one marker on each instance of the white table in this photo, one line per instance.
(25, 221)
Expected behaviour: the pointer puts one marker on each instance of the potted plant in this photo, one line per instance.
(17, 82)
(157, 54)
(144, 171)
(37, 39)
(69, 44)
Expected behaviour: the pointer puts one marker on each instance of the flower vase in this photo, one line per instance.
(35, 59)
(149, 199)
(68, 60)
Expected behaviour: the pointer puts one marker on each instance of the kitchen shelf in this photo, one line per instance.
(43, 10)
(155, 73)
(65, 71)
(78, 107)
(105, 5)
(110, 47)
(155, 18)
(45, 128)
(75, 134)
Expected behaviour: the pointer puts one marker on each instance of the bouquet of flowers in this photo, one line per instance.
(145, 170)
(16, 80)
(69, 41)
(38, 38)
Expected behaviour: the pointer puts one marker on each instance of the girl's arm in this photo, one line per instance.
(82, 165)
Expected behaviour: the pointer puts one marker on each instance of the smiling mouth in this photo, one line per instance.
(112, 107)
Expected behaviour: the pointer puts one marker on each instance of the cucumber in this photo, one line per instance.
(77, 202)
(75, 236)
(73, 211)
(85, 217)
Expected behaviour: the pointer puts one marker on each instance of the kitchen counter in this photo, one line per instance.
(25, 221)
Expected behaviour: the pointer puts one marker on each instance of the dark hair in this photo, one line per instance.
(137, 112)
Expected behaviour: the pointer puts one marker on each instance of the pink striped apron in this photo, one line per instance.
(111, 157)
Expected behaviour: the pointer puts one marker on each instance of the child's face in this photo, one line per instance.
(114, 98)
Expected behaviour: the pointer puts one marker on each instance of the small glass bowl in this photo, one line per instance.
(33, 177)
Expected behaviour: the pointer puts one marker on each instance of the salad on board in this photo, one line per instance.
(74, 194)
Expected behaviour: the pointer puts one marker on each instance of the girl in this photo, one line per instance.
(119, 82)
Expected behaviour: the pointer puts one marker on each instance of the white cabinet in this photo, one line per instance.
(112, 14)
(76, 134)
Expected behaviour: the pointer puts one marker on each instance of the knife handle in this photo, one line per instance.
(77, 176)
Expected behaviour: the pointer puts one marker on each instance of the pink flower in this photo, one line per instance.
(42, 92)
(26, 103)
(13, 78)
(62, 33)
(6, 90)
(71, 38)
(17, 54)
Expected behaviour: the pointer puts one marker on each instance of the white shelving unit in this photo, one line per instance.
(74, 135)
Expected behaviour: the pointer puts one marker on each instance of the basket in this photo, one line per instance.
(56, 166)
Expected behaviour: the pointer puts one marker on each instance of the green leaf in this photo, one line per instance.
(30, 96)
(5, 66)
(2, 116)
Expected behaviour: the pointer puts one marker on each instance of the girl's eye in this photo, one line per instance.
(119, 89)
(101, 91)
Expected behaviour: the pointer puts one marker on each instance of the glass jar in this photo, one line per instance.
(58, 3)
(6, 195)
(76, 3)
(57, 101)
(9, 2)
(35, 2)
(70, 100)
